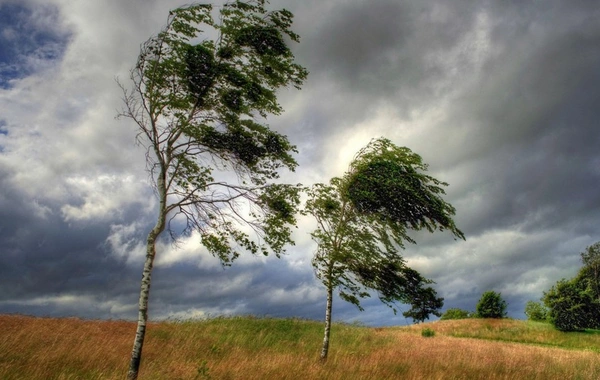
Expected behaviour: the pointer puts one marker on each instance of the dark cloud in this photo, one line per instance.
(500, 98)
(382, 50)
(42, 262)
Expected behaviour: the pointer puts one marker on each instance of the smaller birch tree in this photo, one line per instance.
(362, 223)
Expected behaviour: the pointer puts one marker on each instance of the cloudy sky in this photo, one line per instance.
(502, 99)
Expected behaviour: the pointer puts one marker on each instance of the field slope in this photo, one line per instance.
(262, 348)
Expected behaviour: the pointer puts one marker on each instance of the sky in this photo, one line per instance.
(501, 99)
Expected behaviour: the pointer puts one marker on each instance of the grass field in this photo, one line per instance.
(262, 348)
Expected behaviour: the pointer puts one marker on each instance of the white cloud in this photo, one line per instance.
(188, 249)
(72, 304)
(104, 197)
(59, 300)
(306, 293)
(125, 243)
(200, 313)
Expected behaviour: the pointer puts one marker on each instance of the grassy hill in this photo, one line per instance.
(255, 348)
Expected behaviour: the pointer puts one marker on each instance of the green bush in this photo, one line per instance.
(574, 305)
(455, 313)
(491, 305)
(535, 311)
(427, 333)
(571, 306)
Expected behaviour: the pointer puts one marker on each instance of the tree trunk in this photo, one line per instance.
(138, 343)
(325, 348)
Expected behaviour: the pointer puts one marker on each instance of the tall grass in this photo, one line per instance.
(510, 330)
(262, 348)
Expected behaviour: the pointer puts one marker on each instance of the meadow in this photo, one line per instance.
(264, 348)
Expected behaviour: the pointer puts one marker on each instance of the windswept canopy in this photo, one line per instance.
(200, 104)
(364, 218)
(389, 183)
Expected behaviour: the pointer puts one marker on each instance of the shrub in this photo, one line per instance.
(574, 304)
(535, 311)
(491, 305)
(455, 313)
(571, 306)
(427, 332)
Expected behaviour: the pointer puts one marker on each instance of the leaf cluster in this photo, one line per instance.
(389, 182)
(456, 313)
(200, 105)
(536, 311)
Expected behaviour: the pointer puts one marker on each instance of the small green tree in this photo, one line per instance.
(491, 305)
(200, 106)
(455, 313)
(536, 311)
(362, 222)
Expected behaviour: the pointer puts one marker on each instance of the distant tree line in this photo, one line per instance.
(490, 305)
(569, 305)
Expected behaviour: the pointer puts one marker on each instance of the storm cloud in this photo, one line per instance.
(500, 98)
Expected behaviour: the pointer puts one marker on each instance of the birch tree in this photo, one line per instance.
(363, 219)
(200, 105)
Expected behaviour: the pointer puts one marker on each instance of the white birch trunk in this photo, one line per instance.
(138, 343)
(325, 348)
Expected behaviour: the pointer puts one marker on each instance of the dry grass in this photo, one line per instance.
(250, 348)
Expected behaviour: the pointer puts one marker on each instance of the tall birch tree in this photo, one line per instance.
(363, 219)
(200, 105)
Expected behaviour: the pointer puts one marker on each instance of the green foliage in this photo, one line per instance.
(427, 333)
(455, 313)
(491, 305)
(362, 222)
(574, 305)
(536, 311)
(408, 286)
(590, 272)
(200, 109)
(389, 183)
(359, 231)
